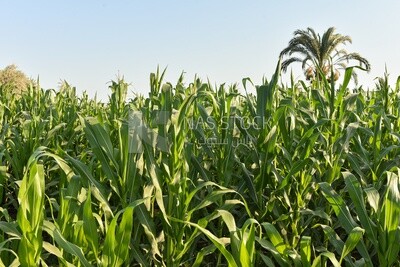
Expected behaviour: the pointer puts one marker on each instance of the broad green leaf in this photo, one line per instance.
(339, 206)
(305, 250)
(10, 228)
(218, 243)
(117, 241)
(89, 225)
(282, 259)
(267, 260)
(275, 237)
(342, 212)
(98, 191)
(390, 219)
(56, 252)
(372, 197)
(351, 242)
(333, 238)
(31, 214)
(202, 253)
(331, 257)
(356, 195)
(64, 244)
(101, 145)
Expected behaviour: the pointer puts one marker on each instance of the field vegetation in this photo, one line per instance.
(304, 174)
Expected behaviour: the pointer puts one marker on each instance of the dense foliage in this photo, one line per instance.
(299, 175)
(14, 80)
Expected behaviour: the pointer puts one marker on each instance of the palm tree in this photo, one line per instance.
(319, 55)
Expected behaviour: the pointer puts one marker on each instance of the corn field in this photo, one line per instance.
(198, 175)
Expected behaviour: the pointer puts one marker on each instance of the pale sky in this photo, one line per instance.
(88, 43)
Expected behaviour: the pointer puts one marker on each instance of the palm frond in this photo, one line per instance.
(305, 61)
(287, 62)
(326, 42)
(338, 40)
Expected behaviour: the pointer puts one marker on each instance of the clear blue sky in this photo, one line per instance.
(89, 42)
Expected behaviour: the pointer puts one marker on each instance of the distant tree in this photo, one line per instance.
(315, 52)
(14, 80)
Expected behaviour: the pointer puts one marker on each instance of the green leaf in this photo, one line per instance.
(333, 238)
(356, 195)
(372, 197)
(339, 206)
(331, 257)
(69, 247)
(297, 166)
(342, 212)
(56, 252)
(202, 253)
(101, 145)
(390, 219)
(218, 242)
(31, 214)
(352, 241)
(10, 228)
(282, 259)
(305, 250)
(267, 260)
(275, 237)
(248, 239)
(117, 241)
(89, 225)
(98, 191)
